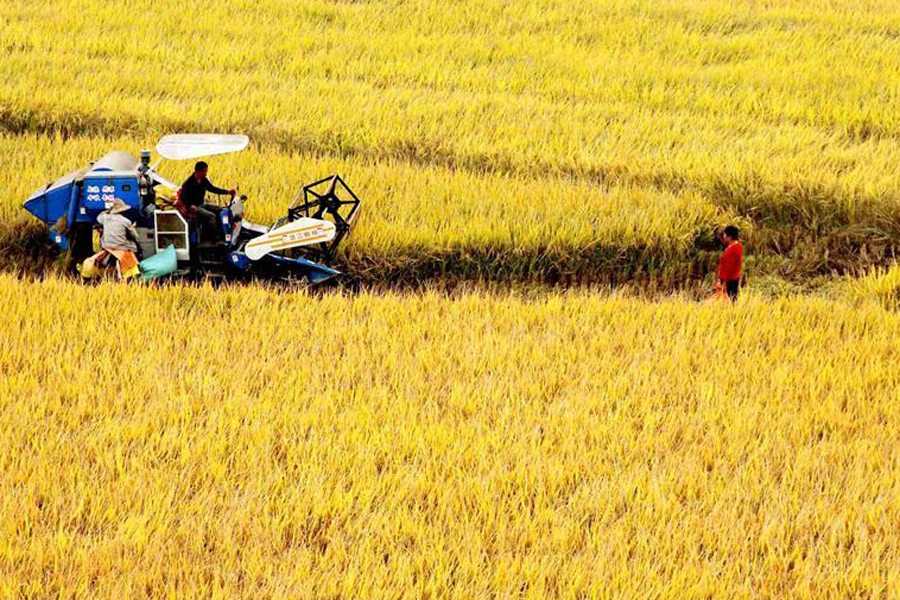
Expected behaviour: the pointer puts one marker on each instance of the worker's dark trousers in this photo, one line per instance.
(209, 216)
(732, 288)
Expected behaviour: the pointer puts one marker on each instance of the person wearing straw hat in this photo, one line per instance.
(118, 230)
(119, 239)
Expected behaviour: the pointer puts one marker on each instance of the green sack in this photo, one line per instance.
(159, 265)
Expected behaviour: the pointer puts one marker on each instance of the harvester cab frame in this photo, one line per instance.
(296, 247)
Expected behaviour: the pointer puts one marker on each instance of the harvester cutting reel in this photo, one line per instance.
(329, 199)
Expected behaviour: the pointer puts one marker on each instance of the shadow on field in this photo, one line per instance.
(25, 250)
(791, 253)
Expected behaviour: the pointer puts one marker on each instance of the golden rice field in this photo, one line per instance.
(568, 446)
(521, 441)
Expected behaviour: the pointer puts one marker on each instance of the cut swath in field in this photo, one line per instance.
(428, 222)
(431, 222)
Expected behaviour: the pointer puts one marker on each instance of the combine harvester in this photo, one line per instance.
(297, 247)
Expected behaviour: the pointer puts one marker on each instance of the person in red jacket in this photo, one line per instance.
(730, 263)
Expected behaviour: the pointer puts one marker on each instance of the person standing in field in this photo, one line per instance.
(730, 263)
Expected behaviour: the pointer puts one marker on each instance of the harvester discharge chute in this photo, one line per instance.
(299, 246)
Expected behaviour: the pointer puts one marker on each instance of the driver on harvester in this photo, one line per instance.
(193, 193)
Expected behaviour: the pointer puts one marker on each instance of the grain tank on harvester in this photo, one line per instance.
(298, 246)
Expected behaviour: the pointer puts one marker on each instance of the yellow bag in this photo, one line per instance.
(89, 267)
